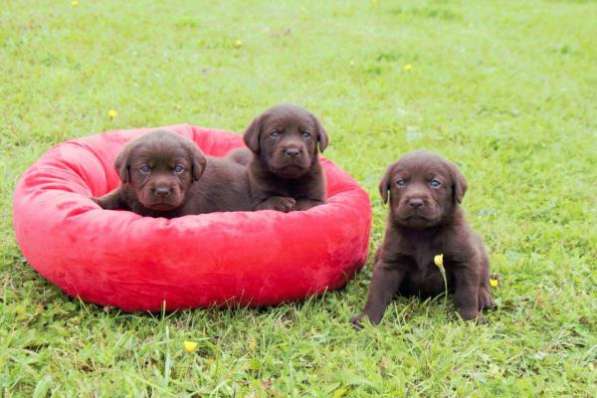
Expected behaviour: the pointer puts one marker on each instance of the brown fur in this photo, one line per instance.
(284, 173)
(205, 185)
(425, 219)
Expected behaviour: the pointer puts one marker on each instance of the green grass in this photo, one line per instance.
(508, 89)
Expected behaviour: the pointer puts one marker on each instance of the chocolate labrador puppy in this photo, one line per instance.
(284, 173)
(166, 175)
(425, 220)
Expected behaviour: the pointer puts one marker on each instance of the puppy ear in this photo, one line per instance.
(198, 161)
(459, 184)
(384, 184)
(122, 166)
(253, 133)
(322, 136)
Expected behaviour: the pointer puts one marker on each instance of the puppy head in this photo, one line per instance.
(287, 139)
(159, 168)
(423, 190)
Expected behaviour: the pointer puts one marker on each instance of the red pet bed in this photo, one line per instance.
(121, 259)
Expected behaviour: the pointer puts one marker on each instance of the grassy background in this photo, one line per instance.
(508, 89)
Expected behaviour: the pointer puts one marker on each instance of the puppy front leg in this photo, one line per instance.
(279, 203)
(466, 292)
(384, 285)
(110, 201)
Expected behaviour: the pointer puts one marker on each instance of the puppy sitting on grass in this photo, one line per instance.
(425, 220)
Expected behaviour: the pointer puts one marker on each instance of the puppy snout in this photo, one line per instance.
(162, 192)
(416, 203)
(292, 152)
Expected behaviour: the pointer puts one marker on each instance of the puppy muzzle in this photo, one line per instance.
(416, 212)
(291, 162)
(161, 198)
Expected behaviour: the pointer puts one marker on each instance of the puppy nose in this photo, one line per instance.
(292, 152)
(415, 203)
(162, 192)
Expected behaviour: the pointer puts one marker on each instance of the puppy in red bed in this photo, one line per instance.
(283, 167)
(166, 175)
(426, 230)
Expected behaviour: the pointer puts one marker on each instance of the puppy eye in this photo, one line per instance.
(179, 168)
(401, 183)
(274, 134)
(145, 169)
(306, 134)
(435, 183)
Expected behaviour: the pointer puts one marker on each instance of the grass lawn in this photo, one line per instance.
(507, 89)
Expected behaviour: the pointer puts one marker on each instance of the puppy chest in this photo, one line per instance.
(426, 279)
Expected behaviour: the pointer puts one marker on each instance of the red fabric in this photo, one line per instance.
(121, 259)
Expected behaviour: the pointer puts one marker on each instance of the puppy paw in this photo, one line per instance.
(357, 321)
(469, 314)
(278, 203)
(285, 204)
(485, 300)
(97, 201)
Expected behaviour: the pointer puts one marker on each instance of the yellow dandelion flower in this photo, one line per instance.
(493, 282)
(190, 346)
(407, 67)
(74, 3)
(112, 113)
(238, 44)
(438, 260)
